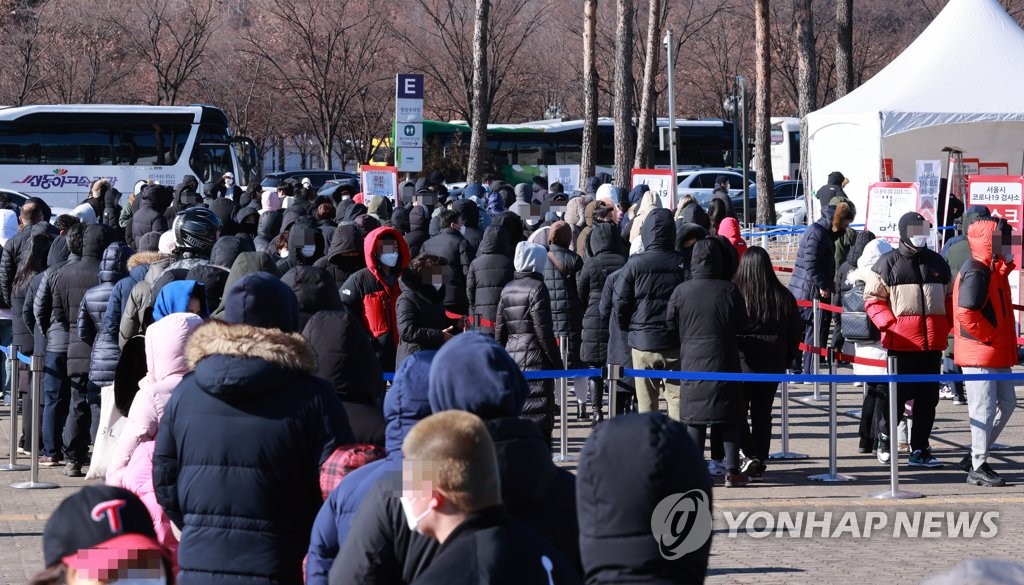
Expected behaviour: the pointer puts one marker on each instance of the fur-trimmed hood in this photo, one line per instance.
(140, 258)
(289, 351)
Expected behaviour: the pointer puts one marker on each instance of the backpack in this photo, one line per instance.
(856, 324)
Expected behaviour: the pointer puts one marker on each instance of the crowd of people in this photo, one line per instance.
(218, 357)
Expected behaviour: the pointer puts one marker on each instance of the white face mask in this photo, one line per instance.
(438, 285)
(389, 259)
(284, 253)
(229, 182)
(308, 251)
(919, 241)
(410, 517)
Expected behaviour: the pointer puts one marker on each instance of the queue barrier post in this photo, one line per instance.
(786, 453)
(12, 363)
(833, 474)
(815, 363)
(563, 391)
(613, 373)
(37, 400)
(894, 493)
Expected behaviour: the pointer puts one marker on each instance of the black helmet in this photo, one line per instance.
(195, 231)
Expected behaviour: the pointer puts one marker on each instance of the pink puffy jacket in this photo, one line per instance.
(137, 478)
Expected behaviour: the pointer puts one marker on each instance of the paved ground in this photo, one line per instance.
(741, 558)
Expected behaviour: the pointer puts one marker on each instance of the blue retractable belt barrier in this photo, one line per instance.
(24, 359)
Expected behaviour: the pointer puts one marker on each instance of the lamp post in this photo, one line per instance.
(671, 116)
(741, 82)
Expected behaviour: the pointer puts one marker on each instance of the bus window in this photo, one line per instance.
(211, 161)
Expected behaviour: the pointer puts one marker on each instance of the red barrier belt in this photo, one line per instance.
(844, 357)
(783, 269)
(471, 320)
(822, 306)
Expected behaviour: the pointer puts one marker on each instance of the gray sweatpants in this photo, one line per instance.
(989, 405)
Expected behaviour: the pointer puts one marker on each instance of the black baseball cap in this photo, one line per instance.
(96, 528)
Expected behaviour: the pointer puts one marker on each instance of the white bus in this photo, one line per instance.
(785, 137)
(56, 151)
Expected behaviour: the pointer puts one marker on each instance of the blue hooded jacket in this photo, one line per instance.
(174, 298)
(404, 405)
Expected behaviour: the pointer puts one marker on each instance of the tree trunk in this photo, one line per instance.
(624, 149)
(762, 113)
(844, 47)
(589, 149)
(648, 108)
(478, 136)
(807, 79)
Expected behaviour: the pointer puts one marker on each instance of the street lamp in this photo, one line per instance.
(667, 41)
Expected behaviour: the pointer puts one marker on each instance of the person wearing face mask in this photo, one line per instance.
(373, 291)
(814, 275)
(226, 187)
(421, 320)
(985, 341)
(102, 534)
(452, 494)
(458, 253)
(911, 304)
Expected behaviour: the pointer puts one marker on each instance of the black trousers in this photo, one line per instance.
(731, 434)
(875, 402)
(757, 436)
(924, 394)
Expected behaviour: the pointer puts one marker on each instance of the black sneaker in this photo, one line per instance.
(73, 469)
(960, 400)
(984, 476)
(752, 466)
(581, 411)
(966, 464)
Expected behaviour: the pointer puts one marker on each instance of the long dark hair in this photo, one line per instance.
(34, 262)
(716, 213)
(766, 299)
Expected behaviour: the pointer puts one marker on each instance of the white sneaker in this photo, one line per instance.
(945, 393)
(715, 467)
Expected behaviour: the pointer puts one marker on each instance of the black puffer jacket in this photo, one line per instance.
(38, 309)
(604, 261)
(488, 274)
(346, 359)
(707, 312)
(648, 456)
(419, 224)
(11, 259)
(345, 256)
(267, 230)
(22, 320)
(470, 221)
(815, 259)
(315, 290)
(105, 350)
(450, 245)
(566, 309)
(69, 289)
(648, 279)
(227, 248)
(421, 318)
(153, 203)
(244, 520)
(303, 233)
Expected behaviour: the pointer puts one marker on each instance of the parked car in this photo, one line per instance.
(790, 207)
(332, 185)
(317, 178)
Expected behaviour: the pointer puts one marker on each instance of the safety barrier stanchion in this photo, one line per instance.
(785, 453)
(833, 474)
(37, 401)
(563, 391)
(815, 367)
(894, 493)
(12, 361)
(612, 374)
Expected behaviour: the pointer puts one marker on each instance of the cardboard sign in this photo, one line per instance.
(887, 202)
(661, 182)
(988, 168)
(380, 181)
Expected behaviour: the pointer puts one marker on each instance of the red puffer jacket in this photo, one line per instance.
(910, 301)
(983, 335)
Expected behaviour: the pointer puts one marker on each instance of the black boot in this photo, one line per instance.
(581, 411)
(597, 401)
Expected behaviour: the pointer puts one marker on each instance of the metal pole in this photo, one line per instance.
(613, 373)
(37, 401)
(742, 82)
(563, 390)
(671, 116)
(894, 493)
(12, 464)
(785, 454)
(833, 429)
(815, 367)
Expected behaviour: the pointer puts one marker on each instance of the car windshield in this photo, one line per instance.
(270, 182)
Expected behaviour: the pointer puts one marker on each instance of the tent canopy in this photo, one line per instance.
(960, 83)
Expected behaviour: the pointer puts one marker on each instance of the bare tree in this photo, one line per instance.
(324, 55)
(588, 155)
(807, 91)
(648, 106)
(22, 76)
(762, 113)
(478, 124)
(844, 47)
(623, 109)
(170, 36)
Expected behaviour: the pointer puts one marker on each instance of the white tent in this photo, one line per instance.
(960, 83)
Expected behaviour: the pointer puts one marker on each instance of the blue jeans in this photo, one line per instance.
(948, 367)
(6, 337)
(56, 398)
